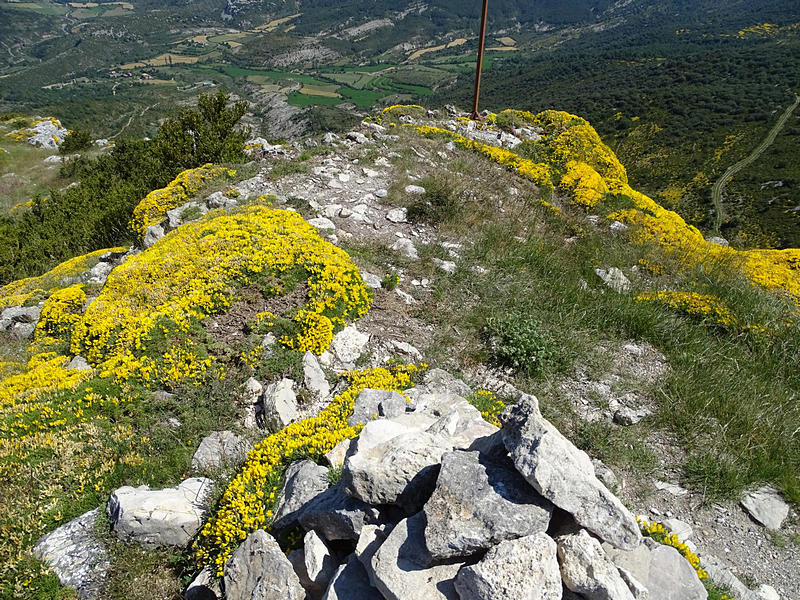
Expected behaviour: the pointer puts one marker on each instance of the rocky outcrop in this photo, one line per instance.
(218, 450)
(303, 480)
(279, 405)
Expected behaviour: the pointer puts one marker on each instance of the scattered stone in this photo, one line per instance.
(618, 227)
(415, 190)
(258, 570)
(398, 573)
(407, 349)
(219, 450)
(670, 488)
(76, 556)
(350, 582)
(630, 416)
(303, 480)
(448, 266)
(358, 138)
(22, 314)
(314, 377)
(336, 515)
(615, 279)
(767, 592)
(220, 200)
(405, 247)
(442, 382)
(586, 570)
(280, 406)
(718, 240)
(636, 587)
(524, 568)
(336, 456)
(721, 575)
(636, 562)
(22, 331)
(565, 475)
(479, 502)
(672, 577)
(368, 543)
(766, 506)
(99, 273)
(322, 223)
(79, 363)
(166, 517)
(396, 215)
(381, 193)
(682, 530)
(371, 404)
(348, 344)
(371, 280)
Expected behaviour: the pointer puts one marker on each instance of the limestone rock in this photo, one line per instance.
(515, 569)
(314, 377)
(258, 570)
(586, 570)
(440, 381)
(766, 506)
(400, 471)
(767, 592)
(405, 247)
(152, 235)
(636, 587)
(720, 574)
(336, 515)
(370, 404)
(350, 582)
(615, 279)
(280, 406)
(21, 314)
(398, 574)
(415, 190)
(636, 561)
(203, 587)
(479, 502)
(396, 215)
(672, 577)
(76, 556)
(218, 450)
(320, 565)
(348, 344)
(448, 266)
(336, 456)
(303, 480)
(79, 363)
(681, 529)
(460, 422)
(369, 541)
(565, 475)
(323, 223)
(372, 281)
(166, 517)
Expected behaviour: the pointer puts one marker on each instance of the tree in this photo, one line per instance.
(205, 134)
(76, 140)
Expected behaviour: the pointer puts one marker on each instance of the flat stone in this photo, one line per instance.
(322, 223)
(440, 381)
(166, 517)
(218, 450)
(680, 528)
(524, 568)
(398, 572)
(79, 363)
(371, 404)
(415, 190)
(303, 480)
(586, 570)
(396, 215)
(259, 570)
(630, 416)
(76, 556)
(565, 475)
(371, 280)
(766, 506)
(479, 502)
(336, 515)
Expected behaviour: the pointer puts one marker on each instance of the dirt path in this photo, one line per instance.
(130, 120)
(716, 191)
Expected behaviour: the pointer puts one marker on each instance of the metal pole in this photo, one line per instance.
(479, 67)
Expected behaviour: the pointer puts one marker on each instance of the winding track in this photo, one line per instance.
(716, 190)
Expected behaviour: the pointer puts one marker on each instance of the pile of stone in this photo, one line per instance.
(435, 503)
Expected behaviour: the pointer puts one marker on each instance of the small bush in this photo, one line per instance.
(390, 281)
(515, 340)
(77, 140)
(439, 203)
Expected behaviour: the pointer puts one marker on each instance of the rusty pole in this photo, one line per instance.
(479, 67)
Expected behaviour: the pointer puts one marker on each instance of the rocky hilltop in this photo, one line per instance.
(246, 391)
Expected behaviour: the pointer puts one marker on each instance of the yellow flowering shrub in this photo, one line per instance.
(194, 271)
(704, 306)
(61, 312)
(153, 208)
(20, 291)
(489, 404)
(539, 173)
(247, 503)
(585, 185)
